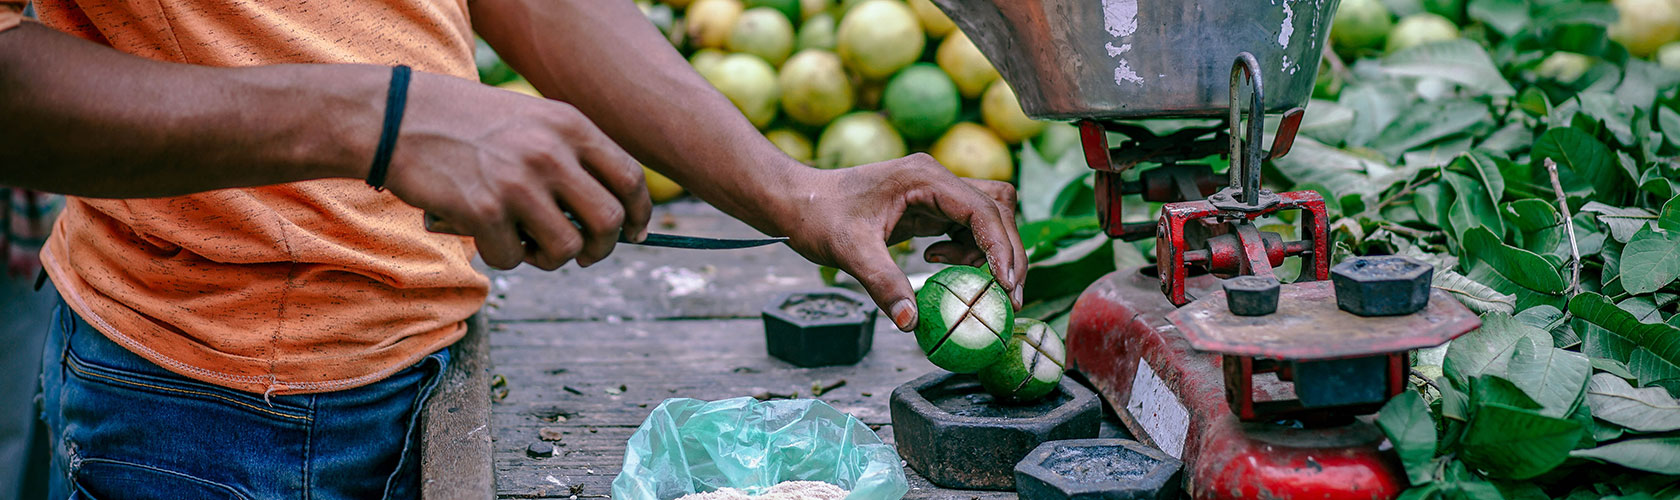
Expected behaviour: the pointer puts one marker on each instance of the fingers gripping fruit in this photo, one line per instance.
(1031, 365)
(966, 318)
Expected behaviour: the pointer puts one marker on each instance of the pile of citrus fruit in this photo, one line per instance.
(840, 83)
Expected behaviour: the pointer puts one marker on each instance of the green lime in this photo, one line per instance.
(1358, 25)
(965, 319)
(1031, 366)
(921, 102)
(858, 138)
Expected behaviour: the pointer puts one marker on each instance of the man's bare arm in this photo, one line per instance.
(605, 58)
(82, 119)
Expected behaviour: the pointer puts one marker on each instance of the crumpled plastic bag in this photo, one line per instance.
(689, 446)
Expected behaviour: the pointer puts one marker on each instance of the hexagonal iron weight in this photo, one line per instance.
(951, 431)
(1384, 285)
(1251, 295)
(1097, 469)
(824, 327)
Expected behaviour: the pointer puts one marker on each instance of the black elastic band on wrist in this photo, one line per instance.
(395, 100)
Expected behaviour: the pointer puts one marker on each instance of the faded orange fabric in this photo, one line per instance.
(304, 287)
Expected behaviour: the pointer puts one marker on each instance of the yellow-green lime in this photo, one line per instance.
(750, 83)
(934, 21)
(1669, 55)
(858, 138)
(788, 8)
(810, 8)
(816, 33)
(1418, 29)
(969, 68)
(814, 87)
(763, 32)
(660, 188)
(793, 143)
(879, 37)
(1358, 25)
(709, 22)
(1645, 25)
(704, 59)
(965, 319)
(1002, 112)
(1564, 67)
(921, 102)
(1031, 366)
(972, 150)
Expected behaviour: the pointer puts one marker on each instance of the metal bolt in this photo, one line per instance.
(1382, 285)
(1251, 295)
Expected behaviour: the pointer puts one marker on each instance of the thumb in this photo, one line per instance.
(885, 282)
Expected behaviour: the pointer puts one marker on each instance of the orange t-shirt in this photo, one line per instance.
(304, 287)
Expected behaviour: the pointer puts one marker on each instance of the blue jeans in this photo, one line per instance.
(123, 427)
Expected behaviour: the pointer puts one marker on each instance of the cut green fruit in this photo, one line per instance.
(965, 319)
(1031, 365)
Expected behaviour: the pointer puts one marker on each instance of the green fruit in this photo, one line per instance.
(817, 33)
(1669, 55)
(1645, 25)
(1031, 366)
(856, 139)
(788, 8)
(1359, 24)
(971, 150)
(879, 37)
(814, 87)
(1418, 29)
(968, 67)
(1002, 112)
(794, 144)
(704, 60)
(934, 21)
(810, 8)
(1564, 67)
(1328, 84)
(1058, 138)
(921, 102)
(750, 83)
(762, 32)
(965, 319)
(709, 22)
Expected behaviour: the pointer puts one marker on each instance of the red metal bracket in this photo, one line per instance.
(1172, 246)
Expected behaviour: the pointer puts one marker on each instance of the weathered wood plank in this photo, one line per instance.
(455, 445)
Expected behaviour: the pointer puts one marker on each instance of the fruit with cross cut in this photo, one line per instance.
(965, 319)
(1031, 365)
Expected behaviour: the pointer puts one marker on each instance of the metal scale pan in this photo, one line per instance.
(1130, 59)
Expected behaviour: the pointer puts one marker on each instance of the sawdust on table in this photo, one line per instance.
(791, 490)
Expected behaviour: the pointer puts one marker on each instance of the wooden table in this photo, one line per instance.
(589, 352)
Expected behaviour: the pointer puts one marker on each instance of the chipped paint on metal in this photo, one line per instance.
(1123, 70)
(1288, 29)
(1120, 17)
(1158, 411)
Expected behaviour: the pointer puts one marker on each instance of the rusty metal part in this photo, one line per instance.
(1382, 285)
(1173, 247)
(1308, 326)
(952, 432)
(1098, 469)
(1070, 59)
(1118, 327)
(1251, 295)
(1247, 177)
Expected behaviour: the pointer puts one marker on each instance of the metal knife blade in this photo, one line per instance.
(438, 225)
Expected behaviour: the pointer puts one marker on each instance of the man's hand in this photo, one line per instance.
(505, 168)
(846, 218)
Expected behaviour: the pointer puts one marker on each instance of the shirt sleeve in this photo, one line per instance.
(11, 13)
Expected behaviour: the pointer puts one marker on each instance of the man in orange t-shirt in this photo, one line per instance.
(243, 315)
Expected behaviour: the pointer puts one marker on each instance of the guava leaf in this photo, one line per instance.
(1460, 61)
(1536, 223)
(1553, 377)
(1476, 296)
(1623, 222)
(1488, 350)
(1375, 106)
(1651, 260)
(1651, 350)
(1508, 17)
(1515, 264)
(1669, 219)
(1669, 121)
(1471, 207)
(1581, 159)
(1659, 455)
(1644, 410)
(1428, 122)
(1497, 389)
(1405, 420)
(1513, 443)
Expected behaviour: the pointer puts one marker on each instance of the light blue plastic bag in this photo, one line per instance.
(690, 446)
